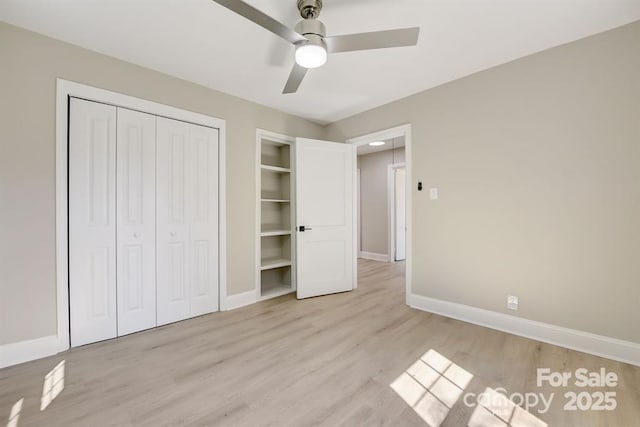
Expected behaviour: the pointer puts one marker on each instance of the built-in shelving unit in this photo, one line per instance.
(275, 274)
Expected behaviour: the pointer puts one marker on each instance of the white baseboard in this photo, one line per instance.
(598, 345)
(374, 256)
(25, 351)
(240, 300)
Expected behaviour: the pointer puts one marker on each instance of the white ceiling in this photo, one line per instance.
(201, 41)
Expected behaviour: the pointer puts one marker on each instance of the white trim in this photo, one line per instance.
(391, 208)
(240, 300)
(358, 206)
(62, 242)
(355, 220)
(403, 130)
(222, 217)
(258, 227)
(281, 139)
(374, 256)
(598, 345)
(25, 351)
(274, 136)
(382, 135)
(64, 89)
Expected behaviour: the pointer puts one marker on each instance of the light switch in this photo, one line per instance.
(433, 193)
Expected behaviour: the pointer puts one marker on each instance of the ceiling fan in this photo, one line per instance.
(311, 41)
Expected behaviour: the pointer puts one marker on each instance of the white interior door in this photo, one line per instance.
(136, 221)
(324, 206)
(204, 219)
(172, 229)
(92, 221)
(187, 220)
(400, 214)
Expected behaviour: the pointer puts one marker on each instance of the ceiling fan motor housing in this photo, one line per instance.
(309, 8)
(313, 30)
(310, 27)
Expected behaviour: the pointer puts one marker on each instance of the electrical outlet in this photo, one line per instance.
(512, 302)
(433, 193)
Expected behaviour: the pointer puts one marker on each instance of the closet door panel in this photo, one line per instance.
(204, 220)
(92, 221)
(136, 233)
(172, 216)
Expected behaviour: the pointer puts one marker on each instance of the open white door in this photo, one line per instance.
(324, 209)
(400, 214)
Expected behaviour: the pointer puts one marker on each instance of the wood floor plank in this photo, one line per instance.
(282, 362)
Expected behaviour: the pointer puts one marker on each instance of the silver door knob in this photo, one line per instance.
(136, 235)
(173, 234)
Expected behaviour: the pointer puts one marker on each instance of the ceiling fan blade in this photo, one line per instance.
(295, 78)
(262, 19)
(373, 40)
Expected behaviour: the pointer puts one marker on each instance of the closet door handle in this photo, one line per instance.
(172, 234)
(303, 228)
(136, 235)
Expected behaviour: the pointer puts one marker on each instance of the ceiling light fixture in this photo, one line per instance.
(311, 55)
(376, 143)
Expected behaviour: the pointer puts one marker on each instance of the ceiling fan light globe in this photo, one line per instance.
(311, 55)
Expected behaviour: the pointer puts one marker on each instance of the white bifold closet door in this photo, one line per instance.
(112, 287)
(143, 221)
(136, 221)
(92, 222)
(187, 220)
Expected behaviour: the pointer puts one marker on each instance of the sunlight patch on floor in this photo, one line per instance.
(53, 385)
(496, 410)
(14, 416)
(431, 386)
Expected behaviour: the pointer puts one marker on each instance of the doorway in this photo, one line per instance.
(383, 214)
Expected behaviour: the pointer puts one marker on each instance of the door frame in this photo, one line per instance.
(395, 132)
(66, 89)
(358, 207)
(391, 206)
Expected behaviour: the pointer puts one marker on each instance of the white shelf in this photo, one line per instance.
(275, 169)
(267, 233)
(269, 263)
(276, 291)
(276, 200)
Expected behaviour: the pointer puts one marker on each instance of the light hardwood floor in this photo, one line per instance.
(328, 360)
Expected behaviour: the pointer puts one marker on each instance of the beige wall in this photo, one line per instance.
(374, 213)
(538, 168)
(29, 66)
(537, 162)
